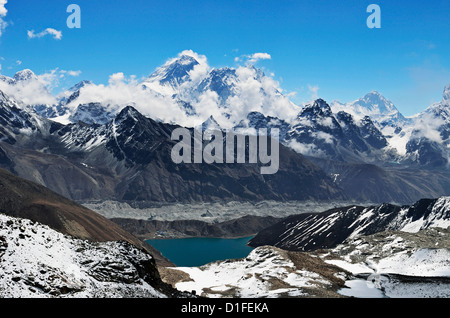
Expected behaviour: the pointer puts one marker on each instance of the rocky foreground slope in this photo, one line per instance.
(37, 261)
(25, 199)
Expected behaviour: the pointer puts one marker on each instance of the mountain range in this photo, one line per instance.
(88, 144)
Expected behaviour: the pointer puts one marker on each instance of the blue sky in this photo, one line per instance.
(313, 44)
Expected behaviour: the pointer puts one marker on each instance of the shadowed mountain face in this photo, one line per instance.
(393, 183)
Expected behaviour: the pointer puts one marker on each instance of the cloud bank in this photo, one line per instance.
(35, 89)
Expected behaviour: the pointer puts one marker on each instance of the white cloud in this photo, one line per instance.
(255, 92)
(253, 58)
(63, 73)
(37, 90)
(3, 12)
(200, 70)
(123, 90)
(325, 136)
(427, 126)
(51, 79)
(314, 90)
(31, 92)
(57, 35)
(19, 62)
(259, 56)
(306, 149)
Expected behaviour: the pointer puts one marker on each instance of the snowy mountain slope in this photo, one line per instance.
(68, 109)
(324, 230)
(322, 133)
(396, 264)
(429, 142)
(424, 253)
(265, 272)
(17, 121)
(37, 261)
(91, 113)
(221, 81)
(391, 123)
(24, 199)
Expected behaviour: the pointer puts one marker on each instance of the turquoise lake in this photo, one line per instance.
(190, 252)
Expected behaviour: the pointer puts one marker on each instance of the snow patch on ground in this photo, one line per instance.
(258, 275)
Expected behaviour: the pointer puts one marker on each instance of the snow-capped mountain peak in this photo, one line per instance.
(210, 125)
(6, 80)
(175, 72)
(374, 103)
(186, 68)
(80, 85)
(128, 112)
(222, 81)
(319, 108)
(25, 75)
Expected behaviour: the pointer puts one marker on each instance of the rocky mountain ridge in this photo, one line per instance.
(307, 232)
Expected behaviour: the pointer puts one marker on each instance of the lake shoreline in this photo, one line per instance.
(197, 251)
